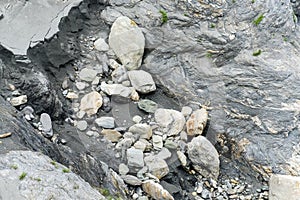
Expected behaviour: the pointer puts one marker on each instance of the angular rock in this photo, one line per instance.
(80, 85)
(186, 110)
(284, 187)
(46, 125)
(141, 131)
(135, 159)
(82, 125)
(156, 191)
(170, 121)
(128, 42)
(91, 102)
(119, 74)
(101, 45)
(132, 180)
(157, 166)
(123, 169)
(147, 105)
(141, 81)
(140, 145)
(118, 90)
(204, 157)
(170, 144)
(105, 122)
(164, 153)
(182, 158)
(137, 119)
(197, 122)
(157, 142)
(111, 135)
(72, 95)
(87, 74)
(16, 101)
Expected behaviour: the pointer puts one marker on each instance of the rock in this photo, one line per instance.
(164, 153)
(147, 105)
(124, 144)
(143, 198)
(197, 122)
(182, 158)
(80, 85)
(186, 111)
(132, 180)
(141, 131)
(119, 75)
(111, 135)
(28, 112)
(123, 169)
(157, 142)
(170, 144)
(16, 101)
(135, 159)
(204, 157)
(105, 122)
(173, 189)
(46, 125)
(91, 102)
(137, 119)
(284, 187)
(101, 45)
(140, 145)
(141, 81)
(113, 64)
(156, 191)
(34, 176)
(170, 121)
(65, 84)
(82, 125)
(92, 133)
(72, 95)
(157, 166)
(87, 74)
(118, 90)
(128, 42)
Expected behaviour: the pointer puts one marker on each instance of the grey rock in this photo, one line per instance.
(147, 105)
(137, 119)
(157, 142)
(284, 187)
(197, 122)
(141, 131)
(173, 189)
(141, 81)
(119, 75)
(132, 180)
(182, 158)
(16, 101)
(28, 112)
(157, 166)
(135, 159)
(123, 169)
(80, 85)
(46, 125)
(186, 110)
(156, 191)
(87, 74)
(140, 145)
(170, 121)
(164, 153)
(170, 144)
(118, 90)
(105, 122)
(124, 144)
(65, 84)
(82, 125)
(42, 179)
(127, 41)
(204, 157)
(101, 45)
(91, 102)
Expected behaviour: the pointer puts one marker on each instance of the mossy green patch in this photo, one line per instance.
(164, 16)
(257, 53)
(257, 21)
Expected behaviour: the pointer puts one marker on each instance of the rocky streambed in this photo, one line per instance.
(149, 100)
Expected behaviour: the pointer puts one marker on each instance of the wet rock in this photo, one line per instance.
(204, 157)
(132, 180)
(87, 74)
(284, 187)
(111, 135)
(101, 45)
(46, 125)
(197, 122)
(157, 166)
(91, 102)
(105, 122)
(141, 81)
(156, 191)
(82, 125)
(40, 179)
(147, 105)
(127, 41)
(16, 101)
(141, 131)
(135, 159)
(170, 121)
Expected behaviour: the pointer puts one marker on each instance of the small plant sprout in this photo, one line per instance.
(212, 25)
(164, 16)
(256, 53)
(66, 170)
(208, 54)
(54, 163)
(38, 179)
(22, 176)
(257, 21)
(14, 166)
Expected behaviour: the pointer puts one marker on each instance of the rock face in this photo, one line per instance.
(284, 187)
(141, 81)
(41, 178)
(170, 121)
(91, 102)
(204, 157)
(128, 42)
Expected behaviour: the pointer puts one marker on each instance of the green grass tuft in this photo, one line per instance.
(257, 53)
(14, 167)
(22, 176)
(66, 170)
(257, 21)
(164, 16)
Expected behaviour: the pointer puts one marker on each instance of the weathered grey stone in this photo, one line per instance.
(186, 110)
(284, 187)
(140, 145)
(41, 179)
(80, 85)
(105, 122)
(182, 158)
(82, 125)
(157, 166)
(137, 119)
(141, 81)
(147, 105)
(119, 74)
(197, 122)
(135, 159)
(170, 144)
(128, 42)
(156, 191)
(16, 101)
(141, 131)
(91, 102)
(118, 89)
(204, 157)
(170, 121)
(46, 125)
(132, 180)
(124, 144)
(123, 169)
(164, 153)
(101, 45)
(111, 135)
(87, 74)
(157, 142)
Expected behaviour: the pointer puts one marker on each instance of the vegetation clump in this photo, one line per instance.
(257, 53)
(22, 176)
(66, 170)
(257, 21)
(164, 16)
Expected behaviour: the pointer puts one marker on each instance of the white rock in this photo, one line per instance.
(105, 122)
(80, 85)
(157, 142)
(82, 125)
(156, 191)
(16, 101)
(90, 103)
(46, 125)
(141, 81)
(182, 158)
(101, 45)
(72, 95)
(117, 89)
(157, 166)
(87, 74)
(141, 131)
(284, 187)
(170, 121)
(137, 119)
(135, 159)
(186, 111)
(128, 42)
(140, 145)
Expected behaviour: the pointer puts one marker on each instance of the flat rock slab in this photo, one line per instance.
(284, 187)
(25, 23)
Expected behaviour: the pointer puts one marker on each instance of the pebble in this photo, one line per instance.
(20, 100)
(157, 166)
(137, 119)
(135, 159)
(132, 180)
(87, 75)
(101, 45)
(105, 122)
(46, 125)
(156, 191)
(82, 125)
(72, 95)
(170, 144)
(147, 105)
(91, 102)
(141, 131)
(123, 169)
(141, 81)
(92, 133)
(197, 122)
(140, 145)
(111, 135)
(157, 142)
(80, 85)
(65, 84)
(186, 111)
